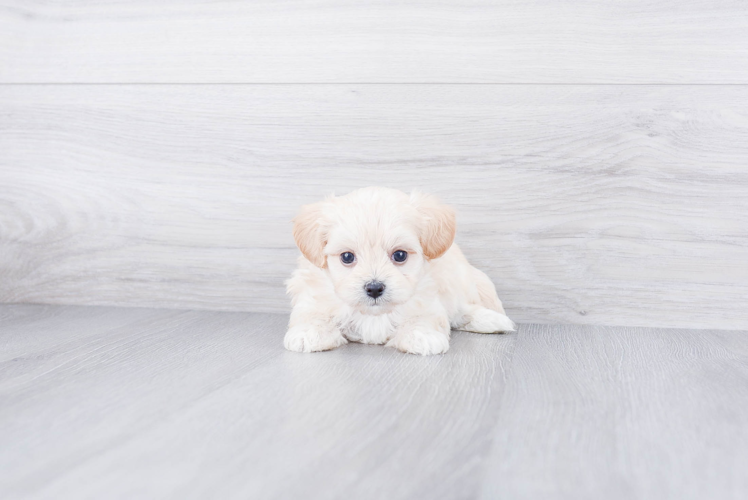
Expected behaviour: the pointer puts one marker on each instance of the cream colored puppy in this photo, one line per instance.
(379, 266)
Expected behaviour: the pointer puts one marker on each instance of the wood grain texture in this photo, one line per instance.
(668, 41)
(601, 205)
(623, 413)
(145, 403)
(190, 404)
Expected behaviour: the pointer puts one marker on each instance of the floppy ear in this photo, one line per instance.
(309, 234)
(438, 224)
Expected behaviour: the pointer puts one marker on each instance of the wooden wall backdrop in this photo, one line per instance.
(394, 41)
(153, 153)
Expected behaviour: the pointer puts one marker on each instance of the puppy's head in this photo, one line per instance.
(374, 243)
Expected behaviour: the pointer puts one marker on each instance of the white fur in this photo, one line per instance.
(434, 290)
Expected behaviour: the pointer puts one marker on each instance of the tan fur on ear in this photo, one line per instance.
(309, 234)
(439, 224)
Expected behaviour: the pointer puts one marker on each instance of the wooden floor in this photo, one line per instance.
(101, 402)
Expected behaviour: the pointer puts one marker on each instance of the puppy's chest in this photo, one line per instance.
(368, 329)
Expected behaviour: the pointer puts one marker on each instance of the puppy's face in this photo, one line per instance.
(374, 243)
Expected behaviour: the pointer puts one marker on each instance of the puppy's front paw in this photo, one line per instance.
(421, 341)
(311, 339)
(488, 321)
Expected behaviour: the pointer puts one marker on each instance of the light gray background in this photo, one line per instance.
(153, 153)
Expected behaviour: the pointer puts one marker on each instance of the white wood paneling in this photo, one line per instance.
(547, 41)
(621, 205)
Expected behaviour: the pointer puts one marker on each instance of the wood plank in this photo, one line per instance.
(30, 327)
(600, 205)
(620, 413)
(198, 404)
(87, 389)
(669, 41)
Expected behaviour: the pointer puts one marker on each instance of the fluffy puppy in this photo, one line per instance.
(380, 267)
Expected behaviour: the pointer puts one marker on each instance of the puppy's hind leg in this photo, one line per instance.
(489, 316)
(487, 291)
(483, 320)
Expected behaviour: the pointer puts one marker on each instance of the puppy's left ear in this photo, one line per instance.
(438, 224)
(309, 234)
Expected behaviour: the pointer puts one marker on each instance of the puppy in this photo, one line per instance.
(380, 267)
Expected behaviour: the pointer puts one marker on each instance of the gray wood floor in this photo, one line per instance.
(102, 402)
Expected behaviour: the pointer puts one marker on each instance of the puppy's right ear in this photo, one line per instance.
(309, 234)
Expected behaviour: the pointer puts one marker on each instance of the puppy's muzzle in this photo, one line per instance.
(374, 289)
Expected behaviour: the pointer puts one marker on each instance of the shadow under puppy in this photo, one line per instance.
(380, 267)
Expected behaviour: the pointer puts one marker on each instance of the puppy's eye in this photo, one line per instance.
(347, 257)
(399, 256)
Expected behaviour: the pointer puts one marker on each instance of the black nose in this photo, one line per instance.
(374, 289)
